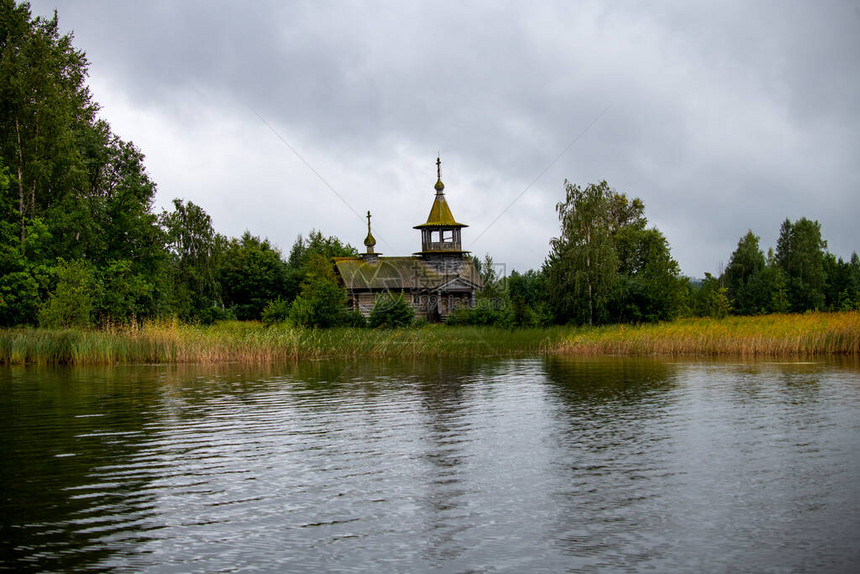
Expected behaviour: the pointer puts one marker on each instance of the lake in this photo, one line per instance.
(503, 465)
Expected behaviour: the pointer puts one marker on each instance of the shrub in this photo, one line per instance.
(391, 311)
(320, 304)
(355, 319)
(72, 302)
(276, 311)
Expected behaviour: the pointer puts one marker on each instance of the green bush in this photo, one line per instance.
(391, 311)
(321, 302)
(355, 319)
(276, 311)
(72, 302)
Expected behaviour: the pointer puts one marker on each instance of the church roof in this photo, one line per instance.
(409, 273)
(440, 213)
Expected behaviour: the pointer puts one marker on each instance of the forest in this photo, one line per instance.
(81, 244)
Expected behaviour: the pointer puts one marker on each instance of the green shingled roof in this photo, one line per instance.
(398, 273)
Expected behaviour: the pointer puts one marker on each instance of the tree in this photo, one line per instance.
(743, 274)
(529, 304)
(711, 299)
(126, 295)
(582, 265)
(800, 254)
(605, 265)
(492, 306)
(74, 190)
(321, 301)
(842, 285)
(303, 251)
(775, 286)
(649, 285)
(72, 302)
(276, 311)
(493, 285)
(194, 250)
(252, 274)
(45, 108)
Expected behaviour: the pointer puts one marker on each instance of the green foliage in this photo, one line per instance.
(19, 298)
(353, 318)
(605, 265)
(486, 312)
(321, 301)
(582, 266)
(493, 284)
(391, 311)
(842, 289)
(744, 277)
(778, 290)
(801, 276)
(45, 109)
(800, 254)
(73, 300)
(276, 311)
(194, 251)
(303, 251)
(649, 286)
(252, 275)
(711, 299)
(19, 289)
(492, 306)
(528, 298)
(69, 187)
(126, 295)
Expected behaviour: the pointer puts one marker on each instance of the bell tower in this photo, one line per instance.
(441, 240)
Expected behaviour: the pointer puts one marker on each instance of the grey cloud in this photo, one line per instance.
(721, 116)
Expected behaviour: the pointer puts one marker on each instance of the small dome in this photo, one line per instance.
(369, 241)
(439, 185)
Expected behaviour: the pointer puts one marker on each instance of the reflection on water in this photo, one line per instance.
(451, 466)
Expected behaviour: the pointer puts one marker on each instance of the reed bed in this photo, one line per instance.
(253, 343)
(248, 342)
(766, 336)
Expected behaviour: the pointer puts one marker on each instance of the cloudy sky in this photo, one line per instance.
(282, 117)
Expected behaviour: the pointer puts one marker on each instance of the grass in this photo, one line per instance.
(765, 336)
(249, 342)
(252, 343)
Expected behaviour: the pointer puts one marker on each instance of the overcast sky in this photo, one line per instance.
(282, 117)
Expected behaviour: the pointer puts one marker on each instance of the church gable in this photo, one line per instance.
(459, 285)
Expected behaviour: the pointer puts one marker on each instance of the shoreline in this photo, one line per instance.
(765, 336)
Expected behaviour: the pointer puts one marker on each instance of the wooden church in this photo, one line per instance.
(436, 280)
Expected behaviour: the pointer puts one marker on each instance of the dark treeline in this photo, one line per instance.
(80, 243)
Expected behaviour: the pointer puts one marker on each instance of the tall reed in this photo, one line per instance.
(174, 342)
(768, 335)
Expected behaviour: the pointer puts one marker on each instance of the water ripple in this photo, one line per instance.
(527, 465)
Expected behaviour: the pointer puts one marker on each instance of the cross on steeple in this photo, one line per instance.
(369, 241)
(439, 185)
